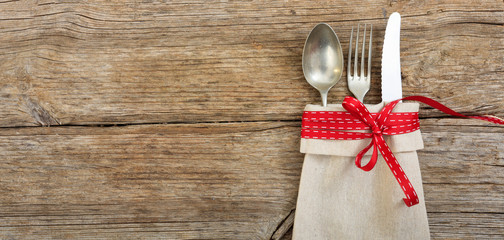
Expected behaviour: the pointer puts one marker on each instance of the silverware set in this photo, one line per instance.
(323, 60)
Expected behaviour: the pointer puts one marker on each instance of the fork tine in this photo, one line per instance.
(359, 84)
(356, 52)
(363, 51)
(369, 54)
(349, 56)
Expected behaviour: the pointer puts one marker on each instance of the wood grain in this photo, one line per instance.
(226, 181)
(180, 119)
(126, 62)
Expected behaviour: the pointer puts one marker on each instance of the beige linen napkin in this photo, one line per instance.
(337, 200)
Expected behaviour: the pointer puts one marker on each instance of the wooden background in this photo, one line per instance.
(181, 119)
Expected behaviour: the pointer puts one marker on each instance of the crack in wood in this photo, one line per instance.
(108, 125)
(284, 226)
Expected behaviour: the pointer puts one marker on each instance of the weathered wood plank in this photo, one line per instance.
(472, 225)
(219, 181)
(104, 62)
(225, 181)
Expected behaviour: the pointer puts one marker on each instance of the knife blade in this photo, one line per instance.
(391, 60)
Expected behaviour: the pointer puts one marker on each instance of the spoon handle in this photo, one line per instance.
(324, 98)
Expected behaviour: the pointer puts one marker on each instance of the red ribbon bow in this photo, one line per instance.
(358, 117)
(378, 127)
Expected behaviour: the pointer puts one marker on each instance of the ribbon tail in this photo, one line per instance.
(372, 162)
(399, 174)
(435, 104)
(410, 202)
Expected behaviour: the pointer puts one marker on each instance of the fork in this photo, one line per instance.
(359, 84)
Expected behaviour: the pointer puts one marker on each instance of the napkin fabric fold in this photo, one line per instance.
(337, 200)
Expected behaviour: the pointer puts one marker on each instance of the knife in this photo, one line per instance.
(391, 60)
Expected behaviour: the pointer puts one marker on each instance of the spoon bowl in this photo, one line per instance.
(322, 59)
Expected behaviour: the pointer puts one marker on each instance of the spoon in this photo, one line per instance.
(322, 59)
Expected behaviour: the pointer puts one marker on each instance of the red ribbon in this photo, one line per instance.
(329, 125)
